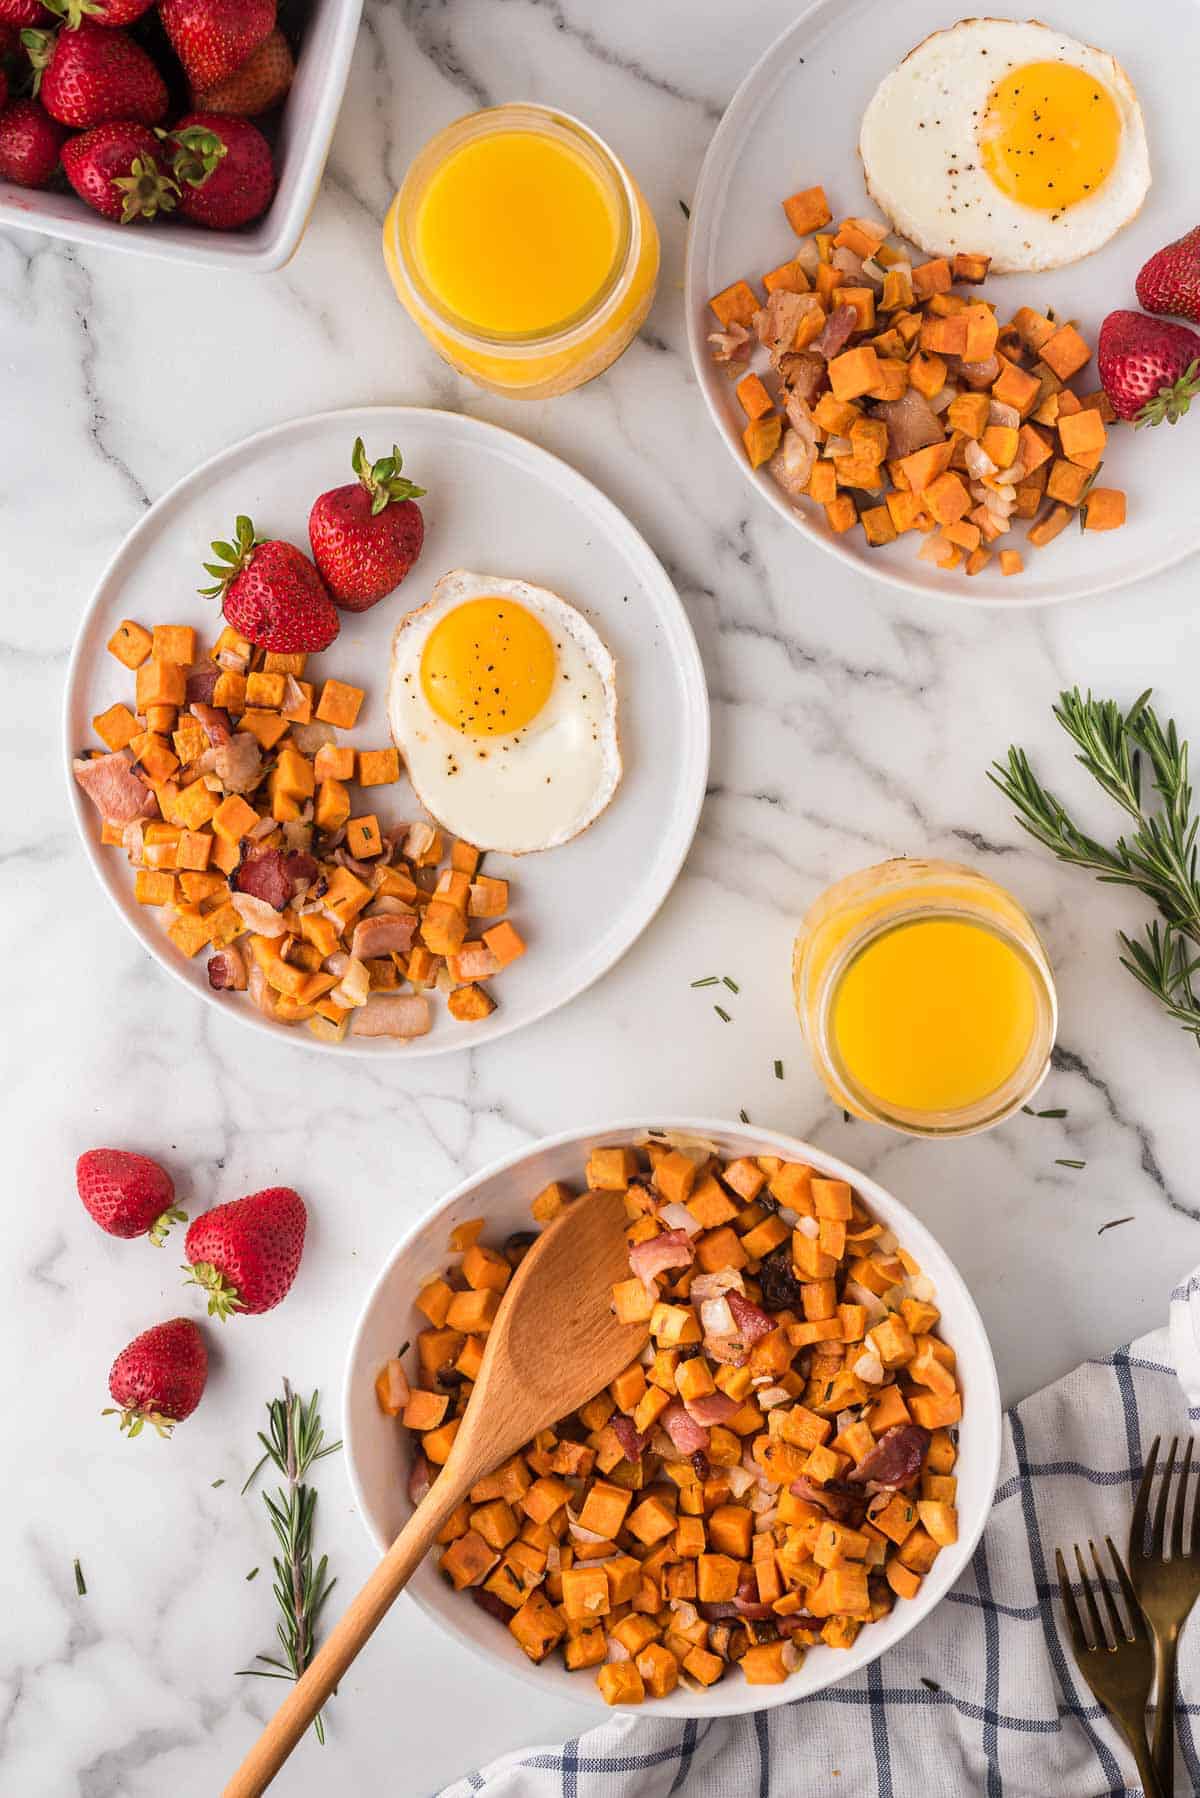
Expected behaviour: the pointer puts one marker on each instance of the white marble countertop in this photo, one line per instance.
(850, 723)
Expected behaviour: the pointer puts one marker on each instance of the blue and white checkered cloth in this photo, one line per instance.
(984, 1697)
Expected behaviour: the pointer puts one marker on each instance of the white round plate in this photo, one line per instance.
(496, 504)
(376, 1446)
(794, 123)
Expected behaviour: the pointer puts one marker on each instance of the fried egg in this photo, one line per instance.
(1005, 138)
(503, 701)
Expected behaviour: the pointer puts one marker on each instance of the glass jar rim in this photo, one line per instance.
(545, 121)
(1002, 1101)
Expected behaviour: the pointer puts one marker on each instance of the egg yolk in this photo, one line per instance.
(1050, 135)
(487, 667)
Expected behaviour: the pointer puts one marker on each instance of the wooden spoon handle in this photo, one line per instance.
(348, 1635)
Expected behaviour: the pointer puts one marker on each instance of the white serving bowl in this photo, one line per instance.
(300, 148)
(376, 1452)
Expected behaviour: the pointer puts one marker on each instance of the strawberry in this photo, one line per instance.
(256, 85)
(159, 1379)
(30, 143)
(212, 38)
(224, 169)
(100, 12)
(114, 168)
(1150, 369)
(3, 90)
(245, 1254)
(87, 76)
(271, 593)
(366, 536)
(22, 12)
(128, 1195)
(1170, 281)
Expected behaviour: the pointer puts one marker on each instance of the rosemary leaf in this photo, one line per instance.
(779, 1070)
(731, 984)
(708, 980)
(1112, 1224)
(1061, 1161)
(80, 1582)
(722, 1014)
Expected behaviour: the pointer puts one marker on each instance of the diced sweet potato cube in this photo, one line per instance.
(877, 524)
(1014, 387)
(926, 465)
(931, 277)
(425, 1410)
(1011, 561)
(468, 1560)
(983, 333)
(1081, 432)
(1065, 352)
(131, 643)
(968, 413)
(266, 727)
(160, 683)
(736, 304)
(470, 1004)
(378, 767)
(538, 1628)
(842, 514)
(789, 277)
(970, 269)
(761, 438)
(1067, 482)
(585, 1592)
(264, 689)
(117, 727)
(854, 372)
(473, 1312)
(862, 299)
(947, 498)
(753, 397)
(504, 942)
(978, 560)
(945, 336)
(1048, 528)
(807, 210)
(659, 1670)
(363, 836)
(340, 704)
(620, 1683)
(1104, 509)
(604, 1508)
(903, 1581)
(233, 818)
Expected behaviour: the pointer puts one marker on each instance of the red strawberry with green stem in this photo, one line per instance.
(30, 144)
(212, 38)
(127, 1194)
(22, 12)
(159, 1379)
(271, 593)
(1170, 281)
(90, 75)
(224, 169)
(100, 12)
(245, 1254)
(114, 167)
(366, 535)
(1150, 368)
(258, 84)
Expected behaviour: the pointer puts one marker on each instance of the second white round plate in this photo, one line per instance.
(501, 506)
(794, 123)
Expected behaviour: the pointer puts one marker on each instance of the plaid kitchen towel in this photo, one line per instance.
(984, 1696)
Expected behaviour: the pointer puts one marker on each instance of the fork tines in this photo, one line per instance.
(1121, 1631)
(1154, 1548)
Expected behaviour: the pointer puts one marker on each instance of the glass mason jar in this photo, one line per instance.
(856, 976)
(536, 364)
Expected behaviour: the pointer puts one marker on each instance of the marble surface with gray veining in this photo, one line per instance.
(850, 723)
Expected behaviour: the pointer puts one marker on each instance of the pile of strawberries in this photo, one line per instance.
(1149, 366)
(244, 1255)
(80, 93)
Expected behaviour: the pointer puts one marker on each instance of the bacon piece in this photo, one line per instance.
(896, 1459)
(201, 683)
(673, 1248)
(491, 1602)
(804, 374)
(713, 1407)
(215, 722)
(237, 763)
(227, 970)
(836, 332)
(686, 1435)
(747, 1603)
(911, 422)
(839, 1504)
(475, 961)
(387, 1014)
(382, 935)
(113, 788)
(633, 1441)
(265, 876)
(301, 868)
(731, 345)
(752, 1323)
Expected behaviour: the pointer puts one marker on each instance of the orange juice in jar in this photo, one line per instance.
(925, 997)
(523, 249)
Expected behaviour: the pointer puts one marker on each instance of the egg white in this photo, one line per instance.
(531, 789)
(920, 149)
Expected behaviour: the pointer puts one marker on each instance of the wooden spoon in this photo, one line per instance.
(555, 1344)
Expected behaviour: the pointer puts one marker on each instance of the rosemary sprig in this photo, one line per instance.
(1159, 857)
(293, 1442)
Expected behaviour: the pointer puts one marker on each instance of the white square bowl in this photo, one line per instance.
(300, 148)
(377, 1448)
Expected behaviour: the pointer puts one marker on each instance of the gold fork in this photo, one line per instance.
(1166, 1589)
(1119, 1671)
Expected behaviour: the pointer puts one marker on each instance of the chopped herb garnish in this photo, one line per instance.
(253, 1574)
(722, 1014)
(744, 1115)
(80, 1582)
(685, 209)
(779, 1070)
(217, 1483)
(709, 980)
(1057, 1111)
(931, 1683)
(731, 984)
(846, 1118)
(1061, 1161)
(1112, 1224)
